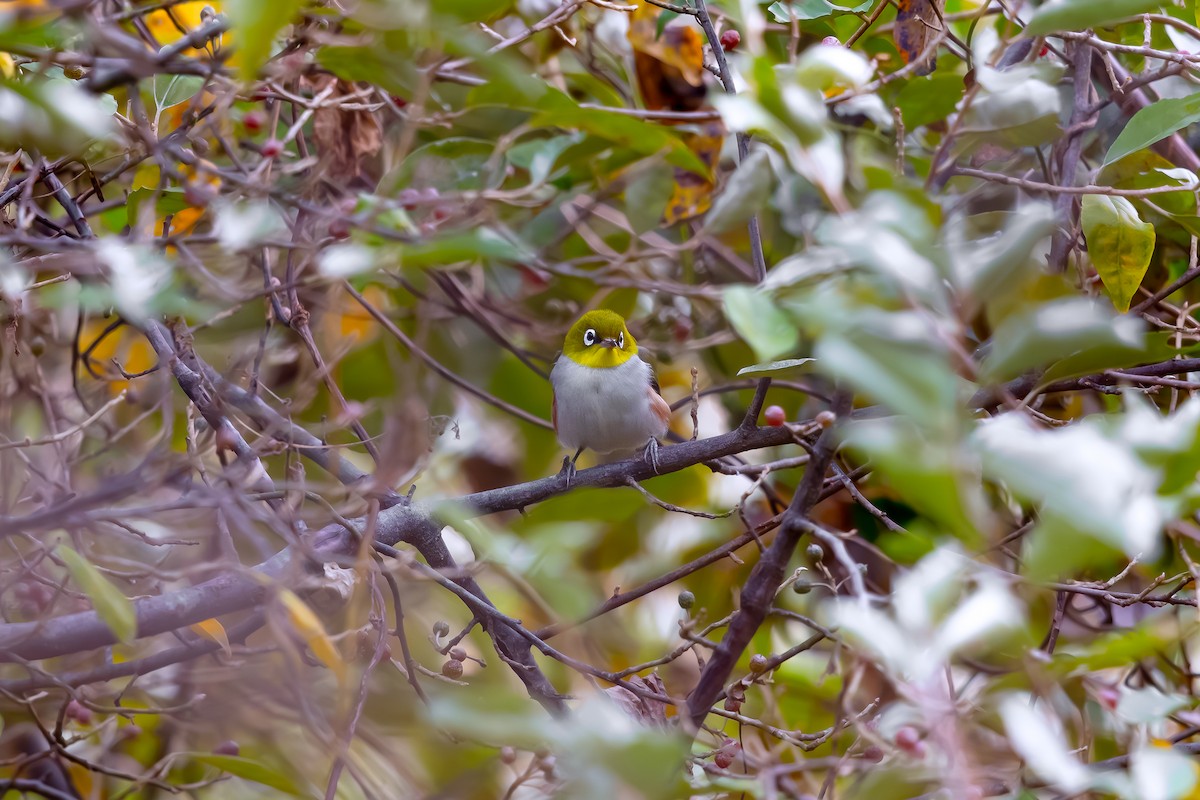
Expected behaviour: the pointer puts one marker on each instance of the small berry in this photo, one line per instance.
(441, 628)
(452, 668)
(458, 654)
(775, 416)
(832, 41)
(399, 101)
(37, 345)
(254, 121)
(682, 331)
(339, 228)
(408, 199)
(815, 551)
(873, 753)
(907, 738)
(78, 712)
(441, 213)
(825, 419)
(74, 72)
(733, 705)
(1042, 53)
(271, 148)
(199, 195)
(546, 765)
(723, 759)
(802, 587)
(429, 194)
(758, 663)
(227, 748)
(730, 39)
(686, 600)
(508, 755)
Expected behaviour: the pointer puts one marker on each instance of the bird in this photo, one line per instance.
(606, 398)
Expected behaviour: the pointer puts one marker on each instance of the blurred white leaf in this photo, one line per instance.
(136, 274)
(991, 610)
(345, 260)
(240, 225)
(925, 592)
(1039, 739)
(1076, 473)
(1148, 705)
(1160, 772)
(874, 631)
(826, 67)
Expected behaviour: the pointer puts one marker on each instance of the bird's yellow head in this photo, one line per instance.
(600, 340)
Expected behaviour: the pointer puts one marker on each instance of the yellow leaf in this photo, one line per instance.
(313, 633)
(1119, 244)
(211, 629)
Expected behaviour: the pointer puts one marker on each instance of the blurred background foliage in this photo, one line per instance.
(381, 216)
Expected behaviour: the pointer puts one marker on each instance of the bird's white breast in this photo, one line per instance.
(604, 409)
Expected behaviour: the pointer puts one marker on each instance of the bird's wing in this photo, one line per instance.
(658, 405)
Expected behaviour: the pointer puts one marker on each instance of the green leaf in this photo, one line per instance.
(257, 23)
(1154, 123)
(175, 89)
(455, 164)
(1119, 244)
(113, 607)
(1053, 331)
(774, 367)
(660, 24)
(761, 323)
(481, 243)
(814, 9)
(251, 770)
(929, 99)
(1076, 15)
(744, 195)
(647, 194)
(635, 134)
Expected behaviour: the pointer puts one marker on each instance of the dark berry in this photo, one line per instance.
(758, 663)
(802, 587)
(452, 668)
(815, 551)
(227, 748)
(907, 737)
(686, 600)
(441, 628)
(254, 121)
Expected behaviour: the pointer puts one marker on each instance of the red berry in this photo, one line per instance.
(254, 121)
(339, 228)
(441, 212)
(730, 39)
(271, 148)
(907, 738)
(1042, 53)
(227, 748)
(723, 759)
(873, 753)
(775, 416)
(399, 101)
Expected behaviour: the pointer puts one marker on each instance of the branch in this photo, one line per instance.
(767, 575)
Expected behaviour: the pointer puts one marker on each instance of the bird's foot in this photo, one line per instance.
(651, 454)
(568, 470)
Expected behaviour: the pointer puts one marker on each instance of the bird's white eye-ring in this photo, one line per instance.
(621, 340)
(589, 337)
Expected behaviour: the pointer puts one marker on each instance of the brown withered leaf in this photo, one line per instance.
(918, 22)
(693, 193)
(345, 138)
(647, 712)
(669, 67)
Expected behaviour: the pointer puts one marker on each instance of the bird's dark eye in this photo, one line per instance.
(621, 340)
(589, 337)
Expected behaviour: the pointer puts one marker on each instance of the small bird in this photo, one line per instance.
(606, 399)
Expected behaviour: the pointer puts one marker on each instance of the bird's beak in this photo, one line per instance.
(609, 343)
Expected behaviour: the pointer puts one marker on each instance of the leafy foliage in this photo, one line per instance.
(282, 283)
